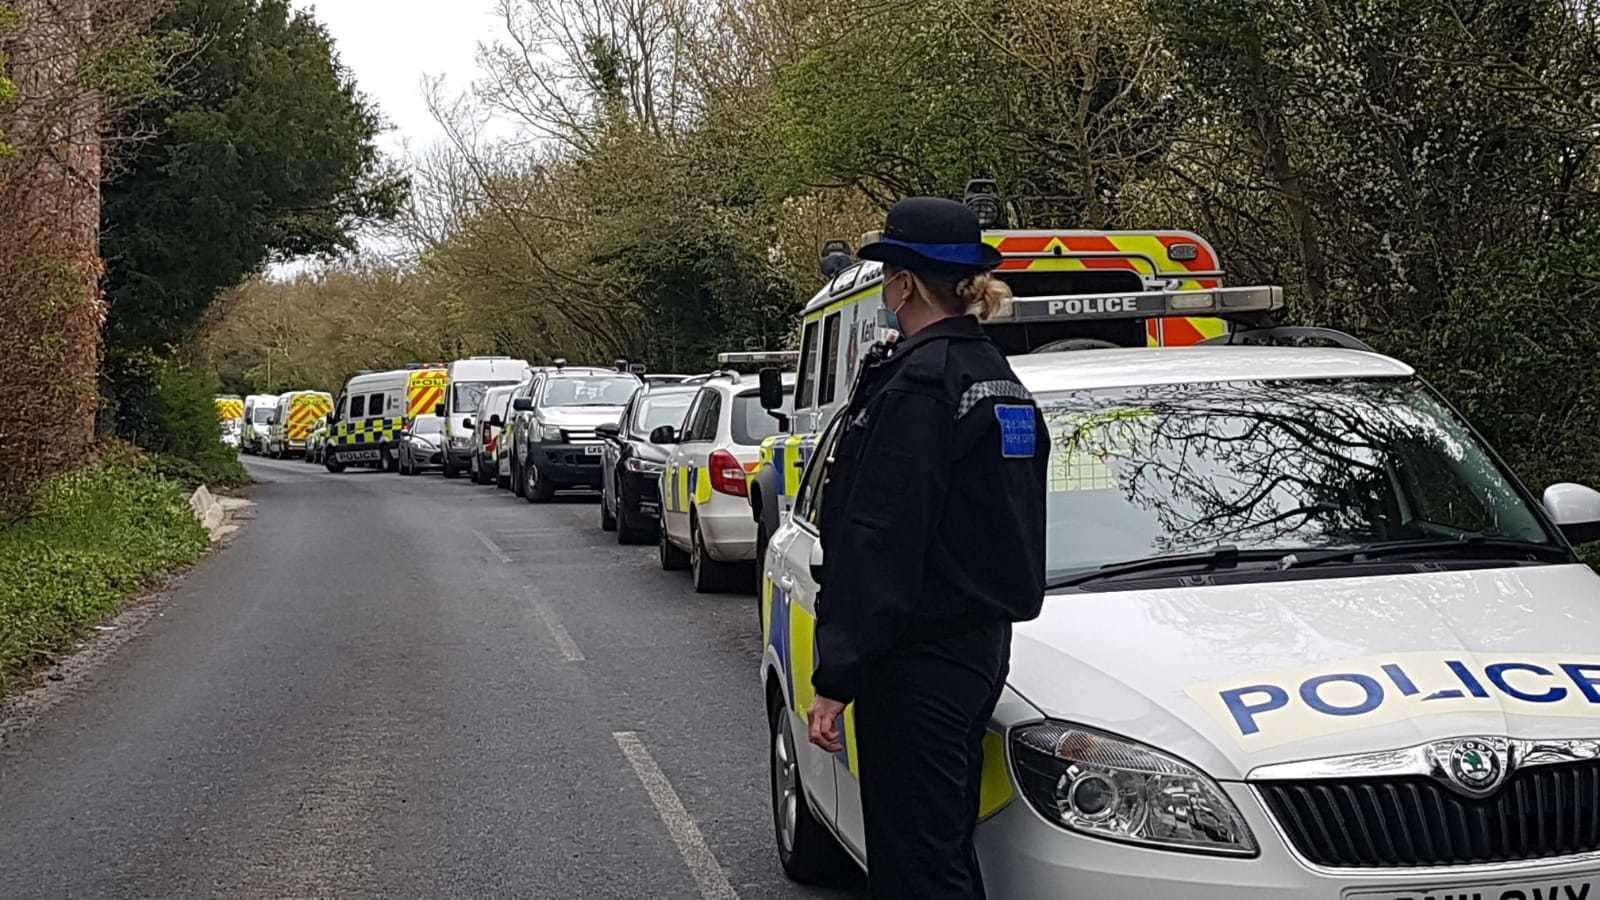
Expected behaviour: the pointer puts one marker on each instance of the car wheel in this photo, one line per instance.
(502, 482)
(672, 559)
(808, 852)
(519, 480)
(332, 465)
(539, 489)
(608, 521)
(450, 470)
(627, 531)
(709, 575)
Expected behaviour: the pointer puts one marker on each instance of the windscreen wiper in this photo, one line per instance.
(1206, 561)
(1474, 546)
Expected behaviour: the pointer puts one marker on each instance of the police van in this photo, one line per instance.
(1305, 635)
(1091, 280)
(371, 411)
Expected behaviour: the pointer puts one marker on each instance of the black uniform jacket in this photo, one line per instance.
(933, 511)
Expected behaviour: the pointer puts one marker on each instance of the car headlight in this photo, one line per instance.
(550, 433)
(461, 441)
(1091, 782)
(644, 466)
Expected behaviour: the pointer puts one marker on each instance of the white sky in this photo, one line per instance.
(390, 45)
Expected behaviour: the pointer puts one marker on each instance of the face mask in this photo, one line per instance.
(890, 317)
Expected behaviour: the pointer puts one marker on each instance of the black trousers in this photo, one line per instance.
(920, 719)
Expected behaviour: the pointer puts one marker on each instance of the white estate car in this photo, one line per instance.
(1306, 637)
(706, 524)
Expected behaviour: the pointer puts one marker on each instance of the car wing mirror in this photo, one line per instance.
(664, 434)
(496, 422)
(1576, 510)
(609, 430)
(816, 562)
(522, 404)
(468, 424)
(438, 408)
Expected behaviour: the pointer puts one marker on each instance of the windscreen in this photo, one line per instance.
(1291, 465)
(261, 414)
(427, 425)
(751, 423)
(466, 397)
(589, 390)
(663, 409)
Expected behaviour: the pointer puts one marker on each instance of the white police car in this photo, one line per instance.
(1306, 637)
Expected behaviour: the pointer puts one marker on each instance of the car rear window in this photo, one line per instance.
(751, 423)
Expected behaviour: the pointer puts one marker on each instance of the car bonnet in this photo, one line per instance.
(1232, 677)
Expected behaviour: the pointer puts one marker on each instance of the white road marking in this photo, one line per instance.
(493, 547)
(564, 642)
(685, 833)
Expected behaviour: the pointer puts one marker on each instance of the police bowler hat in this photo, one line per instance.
(932, 233)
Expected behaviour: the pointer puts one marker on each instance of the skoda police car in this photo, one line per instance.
(1305, 636)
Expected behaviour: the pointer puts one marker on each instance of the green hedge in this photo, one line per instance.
(100, 534)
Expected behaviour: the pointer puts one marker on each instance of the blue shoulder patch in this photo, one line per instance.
(1017, 431)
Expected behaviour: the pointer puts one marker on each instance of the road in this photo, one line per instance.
(407, 687)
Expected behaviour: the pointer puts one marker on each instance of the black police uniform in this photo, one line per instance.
(933, 521)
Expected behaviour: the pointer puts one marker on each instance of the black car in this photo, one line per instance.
(421, 445)
(631, 466)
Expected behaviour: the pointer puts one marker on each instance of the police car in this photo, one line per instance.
(705, 512)
(1305, 636)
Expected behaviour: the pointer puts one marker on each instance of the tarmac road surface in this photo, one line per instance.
(407, 687)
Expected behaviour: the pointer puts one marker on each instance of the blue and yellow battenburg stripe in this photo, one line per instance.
(365, 432)
(789, 629)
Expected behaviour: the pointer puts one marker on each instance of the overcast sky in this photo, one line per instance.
(391, 45)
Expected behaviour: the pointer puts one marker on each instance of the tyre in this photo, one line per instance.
(709, 576)
(608, 522)
(332, 465)
(672, 559)
(538, 489)
(503, 482)
(627, 532)
(450, 470)
(808, 852)
(519, 479)
(388, 461)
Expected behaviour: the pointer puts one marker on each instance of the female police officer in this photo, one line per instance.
(933, 542)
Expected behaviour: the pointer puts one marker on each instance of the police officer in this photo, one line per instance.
(932, 529)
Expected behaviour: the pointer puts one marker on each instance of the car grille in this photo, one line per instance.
(1415, 821)
(579, 435)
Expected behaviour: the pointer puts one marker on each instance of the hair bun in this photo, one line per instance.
(983, 295)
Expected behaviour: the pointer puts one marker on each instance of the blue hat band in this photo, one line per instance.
(976, 256)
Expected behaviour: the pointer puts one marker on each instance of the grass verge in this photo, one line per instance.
(98, 535)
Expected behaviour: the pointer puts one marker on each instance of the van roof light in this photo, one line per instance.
(1248, 303)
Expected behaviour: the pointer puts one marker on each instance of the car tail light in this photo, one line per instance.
(489, 444)
(727, 474)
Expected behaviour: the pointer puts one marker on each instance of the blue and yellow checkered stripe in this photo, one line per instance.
(788, 455)
(365, 432)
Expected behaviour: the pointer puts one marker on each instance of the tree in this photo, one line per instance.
(70, 67)
(264, 150)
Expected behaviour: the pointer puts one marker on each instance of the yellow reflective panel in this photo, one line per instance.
(802, 660)
(995, 790)
(850, 740)
(702, 485)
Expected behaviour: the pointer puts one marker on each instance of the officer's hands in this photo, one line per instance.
(823, 723)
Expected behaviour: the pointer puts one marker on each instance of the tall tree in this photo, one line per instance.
(264, 150)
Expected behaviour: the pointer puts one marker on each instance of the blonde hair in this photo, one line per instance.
(983, 295)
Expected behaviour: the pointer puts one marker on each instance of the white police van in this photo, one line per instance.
(1306, 636)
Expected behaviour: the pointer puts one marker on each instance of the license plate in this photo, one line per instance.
(1571, 887)
(358, 455)
(591, 451)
